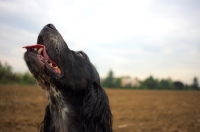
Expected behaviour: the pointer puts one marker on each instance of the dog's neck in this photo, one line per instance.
(58, 109)
(70, 111)
(63, 116)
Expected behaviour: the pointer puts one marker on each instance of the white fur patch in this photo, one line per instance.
(64, 111)
(58, 108)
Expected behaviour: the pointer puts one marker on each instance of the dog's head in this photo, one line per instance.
(51, 61)
(72, 85)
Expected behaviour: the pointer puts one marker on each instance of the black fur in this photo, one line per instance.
(77, 102)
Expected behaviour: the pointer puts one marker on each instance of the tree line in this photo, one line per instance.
(149, 83)
(7, 76)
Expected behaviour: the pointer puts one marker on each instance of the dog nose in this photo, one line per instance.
(51, 26)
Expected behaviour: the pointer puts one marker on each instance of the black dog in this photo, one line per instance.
(77, 102)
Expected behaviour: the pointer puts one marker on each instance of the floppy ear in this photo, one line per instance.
(95, 112)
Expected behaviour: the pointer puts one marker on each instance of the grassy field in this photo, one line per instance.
(22, 110)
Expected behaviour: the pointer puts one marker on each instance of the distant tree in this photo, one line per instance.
(195, 84)
(165, 84)
(117, 82)
(109, 80)
(7, 76)
(27, 78)
(150, 83)
(179, 85)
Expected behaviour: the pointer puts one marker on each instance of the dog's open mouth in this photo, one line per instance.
(43, 57)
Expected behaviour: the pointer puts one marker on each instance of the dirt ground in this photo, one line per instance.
(22, 110)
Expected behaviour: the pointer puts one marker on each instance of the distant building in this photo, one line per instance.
(129, 82)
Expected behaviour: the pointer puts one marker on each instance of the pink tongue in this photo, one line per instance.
(45, 55)
(34, 46)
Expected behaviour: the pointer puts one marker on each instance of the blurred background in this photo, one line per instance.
(131, 38)
(149, 44)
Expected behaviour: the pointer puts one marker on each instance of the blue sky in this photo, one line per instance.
(134, 38)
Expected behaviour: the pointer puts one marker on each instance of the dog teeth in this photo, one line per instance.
(40, 51)
(50, 64)
(58, 70)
